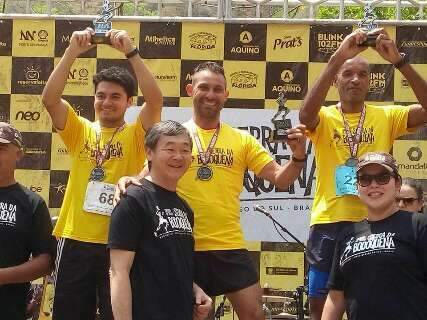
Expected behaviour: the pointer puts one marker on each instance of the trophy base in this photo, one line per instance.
(100, 38)
(371, 41)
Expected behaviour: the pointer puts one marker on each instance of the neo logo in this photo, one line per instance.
(27, 115)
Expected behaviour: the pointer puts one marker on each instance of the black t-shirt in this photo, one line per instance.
(157, 225)
(25, 230)
(382, 268)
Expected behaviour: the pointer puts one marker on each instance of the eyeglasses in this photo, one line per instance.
(406, 201)
(365, 180)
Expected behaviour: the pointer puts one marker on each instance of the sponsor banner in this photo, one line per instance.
(79, 81)
(4, 107)
(411, 156)
(402, 90)
(288, 42)
(5, 37)
(37, 151)
(29, 75)
(245, 42)
(63, 31)
(58, 184)
(83, 106)
(35, 36)
(413, 41)
(106, 63)
(5, 73)
(314, 71)
(287, 77)
(160, 40)
(202, 45)
(290, 207)
(381, 83)
(108, 52)
(28, 114)
(325, 40)
(244, 103)
(167, 73)
(60, 157)
(167, 102)
(245, 78)
(35, 180)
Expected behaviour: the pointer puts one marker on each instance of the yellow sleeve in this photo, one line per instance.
(314, 134)
(257, 157)
(398, 116)
(73, 131)
(139, 134)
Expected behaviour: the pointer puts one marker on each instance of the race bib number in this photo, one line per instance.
(345, 181)
(99, 198)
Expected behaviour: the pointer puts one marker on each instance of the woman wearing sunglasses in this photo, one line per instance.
(411, 197)
(380, 264)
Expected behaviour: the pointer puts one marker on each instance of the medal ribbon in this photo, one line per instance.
(204, 155)
(354, 140)
(100, 155)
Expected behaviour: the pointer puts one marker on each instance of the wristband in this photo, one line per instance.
(299, 160)
(134, 52)
(404, 60)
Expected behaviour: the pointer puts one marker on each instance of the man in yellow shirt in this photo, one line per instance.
(343, 132)
(212, 185)
(101, 152)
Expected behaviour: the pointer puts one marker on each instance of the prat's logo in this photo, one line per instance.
(160, 40)
(414, 44)
(59, 188)
(244, 80)
(32, 76)
(287, 76)
(202, 40)
(287, 42)
(245, 39)
(377, 82)
(414, 154)
(329, 42)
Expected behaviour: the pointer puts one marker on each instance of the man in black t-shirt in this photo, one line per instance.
(25, 230)
(151, 241)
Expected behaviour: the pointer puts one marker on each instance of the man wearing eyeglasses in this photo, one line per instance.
(341, 133)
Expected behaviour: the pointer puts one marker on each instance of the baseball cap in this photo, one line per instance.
(384, 159)
(9, 134)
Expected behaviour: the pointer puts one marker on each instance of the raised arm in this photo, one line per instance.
(121, 293)
(152, 108)
(315, 98)
(52, 92)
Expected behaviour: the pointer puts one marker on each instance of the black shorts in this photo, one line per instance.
(82, 281)
(224, 271)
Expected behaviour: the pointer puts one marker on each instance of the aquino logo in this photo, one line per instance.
(245, 46)
(202, 40)
(287, 76)
(329, 42)
(377, 82)
(287, 42)
(32, 76)
(33, 38)
(244, 80)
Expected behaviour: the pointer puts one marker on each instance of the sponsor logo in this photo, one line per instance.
(414, 154)
(3, 44)
(171, 221)
(329, 42)
(59, 188)
(377, 82)
(244, 79)
(165, 77)
(78, 77)
(34, 151)
(287, 76)
(160, 41)
(32, 76)
(287, 42)
(27, 115)
(404, 82)
(414, 44)
(34, 38)
(202, 41)
(62, 151)
(35, 188)
(66, 38)
(245, 39)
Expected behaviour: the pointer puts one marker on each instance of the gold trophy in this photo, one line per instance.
(279, 120)
(368, 24)
(102, 24)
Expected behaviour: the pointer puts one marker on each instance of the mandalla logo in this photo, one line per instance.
(287, 76)
(244, 79)
(329, 42)
(414, 154)
(287, 42)
(377, 82)
(414, 44)
(32, 76)
(160, 40)
(245, 37)
(202, 40)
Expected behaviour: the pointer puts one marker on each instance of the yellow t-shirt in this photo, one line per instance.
(126, 157)
(383, 124)
(216, 202)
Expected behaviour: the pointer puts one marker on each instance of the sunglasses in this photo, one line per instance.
(365, 180)
(406, 201)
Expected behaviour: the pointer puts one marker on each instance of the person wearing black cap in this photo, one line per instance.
(380, 264)
(25, 230)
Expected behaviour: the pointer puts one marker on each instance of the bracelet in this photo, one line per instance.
(299, 160)
(134, 52)
(404, 60)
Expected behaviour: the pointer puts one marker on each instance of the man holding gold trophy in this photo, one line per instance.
(101, 152)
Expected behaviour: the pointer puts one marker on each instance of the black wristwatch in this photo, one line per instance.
(404, 60)
(134, 52)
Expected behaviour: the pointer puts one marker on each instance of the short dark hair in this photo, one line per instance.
(414, 184)
(211, 66)
(118, 75)
(164, 128)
